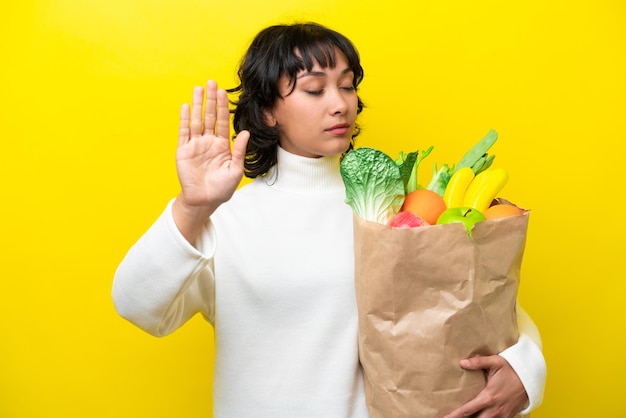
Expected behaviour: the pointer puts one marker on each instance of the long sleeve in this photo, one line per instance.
(526, 358)
(163, 280)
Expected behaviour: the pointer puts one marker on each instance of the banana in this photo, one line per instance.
(484, 188)
(455, 190)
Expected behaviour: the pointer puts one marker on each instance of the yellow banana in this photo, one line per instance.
(484, 188)
(455, 190)
(477, 184)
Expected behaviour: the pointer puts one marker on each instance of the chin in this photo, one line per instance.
(339, 148)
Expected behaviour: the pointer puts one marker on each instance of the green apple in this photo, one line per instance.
(466, 216)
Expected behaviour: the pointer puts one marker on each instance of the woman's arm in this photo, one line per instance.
(164, 280)
(526, 358)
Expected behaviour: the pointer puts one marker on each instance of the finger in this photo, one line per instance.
(239, 149)
(469, 409)
(196, 112)
(481, 362)
(209, 108)
(183, 130)
(222, 127)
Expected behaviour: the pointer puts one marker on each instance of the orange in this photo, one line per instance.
(426, 204)
(502, 210)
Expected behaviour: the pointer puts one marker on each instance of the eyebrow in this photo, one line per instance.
(322, 73)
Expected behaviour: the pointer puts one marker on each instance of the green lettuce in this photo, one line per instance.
(374, 184)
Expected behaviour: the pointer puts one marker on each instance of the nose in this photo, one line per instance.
(338, 102)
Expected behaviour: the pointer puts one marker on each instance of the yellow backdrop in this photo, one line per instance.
(89, 102)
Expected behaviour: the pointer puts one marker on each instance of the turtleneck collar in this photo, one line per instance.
(303, 174)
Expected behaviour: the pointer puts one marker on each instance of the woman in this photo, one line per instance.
(271, 265)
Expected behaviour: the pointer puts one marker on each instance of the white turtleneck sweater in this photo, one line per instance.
(273, 272)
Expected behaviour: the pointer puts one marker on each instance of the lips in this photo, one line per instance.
(339, 129)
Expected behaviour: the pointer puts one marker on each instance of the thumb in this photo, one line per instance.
(239, 148)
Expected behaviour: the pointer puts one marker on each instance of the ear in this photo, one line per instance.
(269, 118)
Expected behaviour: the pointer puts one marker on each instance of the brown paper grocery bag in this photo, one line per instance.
(427, 298)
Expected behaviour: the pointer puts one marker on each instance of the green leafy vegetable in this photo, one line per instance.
(374, 185)
(404, 161)
(441, 177)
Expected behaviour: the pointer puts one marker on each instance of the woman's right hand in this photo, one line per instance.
(208, 171)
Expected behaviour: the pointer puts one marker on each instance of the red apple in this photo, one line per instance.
(406, 219)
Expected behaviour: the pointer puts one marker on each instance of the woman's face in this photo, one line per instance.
(316, 119)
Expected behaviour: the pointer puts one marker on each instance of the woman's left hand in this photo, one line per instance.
(504, 395)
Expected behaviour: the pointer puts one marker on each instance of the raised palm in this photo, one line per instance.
(208, 171)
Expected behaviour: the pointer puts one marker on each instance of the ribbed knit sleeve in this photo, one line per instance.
(164, 280)
(526, 358)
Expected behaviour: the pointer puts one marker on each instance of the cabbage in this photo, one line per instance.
(374, 185)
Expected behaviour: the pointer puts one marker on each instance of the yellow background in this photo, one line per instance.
(90, 92)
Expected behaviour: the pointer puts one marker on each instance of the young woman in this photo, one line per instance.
(270, 266)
